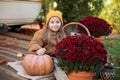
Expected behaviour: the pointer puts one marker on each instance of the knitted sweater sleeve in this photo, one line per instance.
(36, 42)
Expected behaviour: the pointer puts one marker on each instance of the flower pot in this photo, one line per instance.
(81, 76)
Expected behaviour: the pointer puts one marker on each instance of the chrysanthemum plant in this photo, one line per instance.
(96, 26)
(80, 53)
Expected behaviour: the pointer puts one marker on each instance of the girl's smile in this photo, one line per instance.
(54, 24)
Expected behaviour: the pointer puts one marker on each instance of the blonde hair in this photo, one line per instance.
(47, 35)
(46, 30)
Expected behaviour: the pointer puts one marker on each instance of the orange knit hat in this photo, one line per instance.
(54, 14)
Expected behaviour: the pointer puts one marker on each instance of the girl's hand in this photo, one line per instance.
(41, 51)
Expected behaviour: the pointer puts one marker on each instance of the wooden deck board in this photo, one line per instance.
(20, 36)
(7, 74)
(6, 41)
(10, 45)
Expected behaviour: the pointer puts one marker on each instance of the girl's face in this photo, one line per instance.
(54, 24)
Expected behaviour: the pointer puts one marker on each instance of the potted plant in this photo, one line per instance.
(79, 53)
(3, 28)
(96, 26)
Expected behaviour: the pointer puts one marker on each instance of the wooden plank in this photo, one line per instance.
(10, 46)
(10, 55)
(6, 74)
(5, 64)
(13, 42)
(14, 50)
(2, 60)
(9, 58)
(19, 36)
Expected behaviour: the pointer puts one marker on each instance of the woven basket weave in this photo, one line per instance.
(73, 27)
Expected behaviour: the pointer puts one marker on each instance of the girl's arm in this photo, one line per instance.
(36, 43)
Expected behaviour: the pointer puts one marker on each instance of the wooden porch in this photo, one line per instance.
(12, 44)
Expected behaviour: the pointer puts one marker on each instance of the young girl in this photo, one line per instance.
(44, 40)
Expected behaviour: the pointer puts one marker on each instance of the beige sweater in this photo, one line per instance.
(41, 41)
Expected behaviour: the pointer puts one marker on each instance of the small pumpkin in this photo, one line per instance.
(37, 65)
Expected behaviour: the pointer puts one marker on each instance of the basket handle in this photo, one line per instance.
(81, 25)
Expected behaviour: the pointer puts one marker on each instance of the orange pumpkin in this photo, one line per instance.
(38, 64)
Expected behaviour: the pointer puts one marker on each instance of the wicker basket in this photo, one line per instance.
(72, 28)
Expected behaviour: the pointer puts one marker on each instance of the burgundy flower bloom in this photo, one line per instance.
(96, 26)
(80, 50)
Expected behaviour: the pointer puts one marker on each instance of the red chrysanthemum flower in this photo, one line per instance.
(96, 26)
(80, 52)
